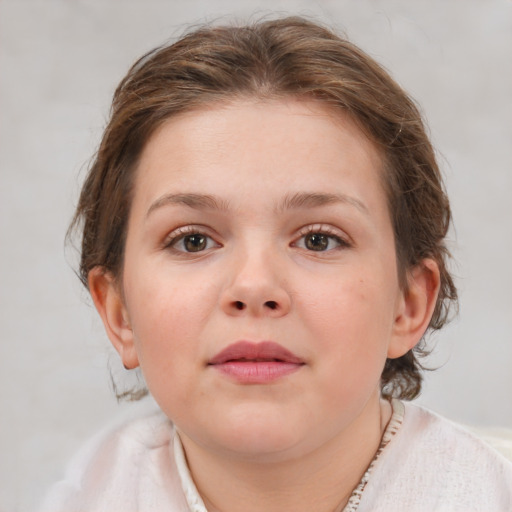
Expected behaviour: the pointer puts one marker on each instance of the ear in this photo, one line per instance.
(415, 308)
(109, 302)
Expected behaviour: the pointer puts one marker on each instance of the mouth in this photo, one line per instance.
(255, 363)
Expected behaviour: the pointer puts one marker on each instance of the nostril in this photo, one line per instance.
(272, 304)
(239, 305)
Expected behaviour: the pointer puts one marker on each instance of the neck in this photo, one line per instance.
(322, 479)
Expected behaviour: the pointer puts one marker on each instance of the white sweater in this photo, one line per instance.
(430, 464)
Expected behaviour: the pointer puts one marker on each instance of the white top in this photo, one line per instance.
(425, 463)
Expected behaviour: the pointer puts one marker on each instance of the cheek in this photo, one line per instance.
(351, 323)
(350, 305)
(167, 314)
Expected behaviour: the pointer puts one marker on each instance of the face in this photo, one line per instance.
(260, 292)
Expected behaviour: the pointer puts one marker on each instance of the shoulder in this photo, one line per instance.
(120, 469)
(435, 464)
(440, 436)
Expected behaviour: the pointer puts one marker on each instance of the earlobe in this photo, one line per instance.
(109, 302)
(415, 308)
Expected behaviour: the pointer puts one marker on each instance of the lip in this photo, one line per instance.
(256, 363)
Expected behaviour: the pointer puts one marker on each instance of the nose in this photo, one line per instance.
(257, 287)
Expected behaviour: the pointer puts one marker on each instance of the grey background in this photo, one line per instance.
(59, 64)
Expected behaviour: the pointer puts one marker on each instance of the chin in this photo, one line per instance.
(260, 434)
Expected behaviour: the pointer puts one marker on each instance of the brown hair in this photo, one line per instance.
(274, 59)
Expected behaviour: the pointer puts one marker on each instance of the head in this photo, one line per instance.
(283, 59)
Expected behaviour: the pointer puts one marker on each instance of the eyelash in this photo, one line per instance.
(180, 234)
(328, 232)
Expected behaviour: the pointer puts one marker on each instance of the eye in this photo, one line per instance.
(317, 241)
(190, 241)
(320, 240)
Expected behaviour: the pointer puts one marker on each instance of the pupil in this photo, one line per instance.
(317, 242)
(194, 243)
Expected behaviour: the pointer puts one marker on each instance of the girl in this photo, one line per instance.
(263, 234)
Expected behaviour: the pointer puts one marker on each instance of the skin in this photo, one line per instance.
(303, 441)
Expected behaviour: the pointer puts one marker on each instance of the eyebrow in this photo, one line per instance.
(194, 201)
(317, 199)
(291, 202)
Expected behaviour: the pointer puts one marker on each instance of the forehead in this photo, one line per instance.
(274, 138)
